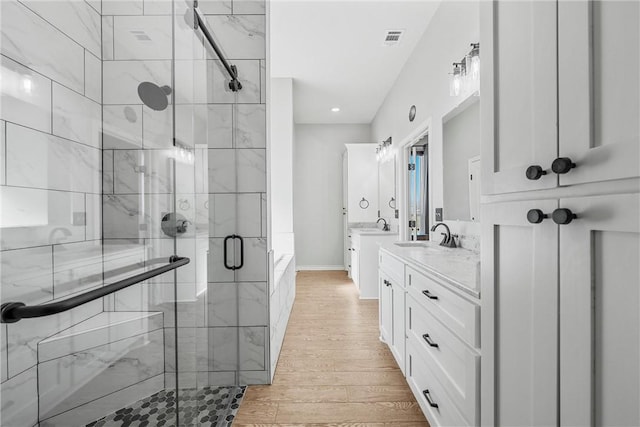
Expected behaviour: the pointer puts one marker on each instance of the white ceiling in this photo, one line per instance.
(334, 52)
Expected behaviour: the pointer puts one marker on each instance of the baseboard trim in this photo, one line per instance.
(320, 267)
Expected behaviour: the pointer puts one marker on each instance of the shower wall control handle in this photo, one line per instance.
(226, 252)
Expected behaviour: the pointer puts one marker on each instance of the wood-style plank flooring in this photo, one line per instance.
(333, 369)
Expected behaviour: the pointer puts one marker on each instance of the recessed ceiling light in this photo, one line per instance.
(335, 109)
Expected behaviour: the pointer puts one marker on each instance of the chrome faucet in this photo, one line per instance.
(449, 239)
(385, 227)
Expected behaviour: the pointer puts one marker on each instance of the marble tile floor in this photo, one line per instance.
(206, 407)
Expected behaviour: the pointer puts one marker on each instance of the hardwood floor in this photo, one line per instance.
(333, 369)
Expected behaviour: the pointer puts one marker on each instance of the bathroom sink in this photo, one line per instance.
(411, 244)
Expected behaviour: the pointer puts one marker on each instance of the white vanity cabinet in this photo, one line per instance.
(364, 259)
(437, 339)
(560, 324)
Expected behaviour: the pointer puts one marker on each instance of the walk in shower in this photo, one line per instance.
(133, 201)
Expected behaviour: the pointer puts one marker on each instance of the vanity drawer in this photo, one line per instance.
(457, 313)
(454, 364)
(392, 266)
(440, 411)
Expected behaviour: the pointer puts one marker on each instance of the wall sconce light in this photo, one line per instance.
(383, 150)
(465, 76)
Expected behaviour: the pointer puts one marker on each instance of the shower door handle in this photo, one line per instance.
(226, 252)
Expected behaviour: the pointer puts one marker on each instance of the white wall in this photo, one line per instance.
(424, 82)
(281, 165)
(317, 192)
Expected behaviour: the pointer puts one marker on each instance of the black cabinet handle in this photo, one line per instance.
(563, 216)
(429, 294)
(535, 172)
(535, 216)
(238, 267)
(427, 396)
(427, 338)
(562, 165)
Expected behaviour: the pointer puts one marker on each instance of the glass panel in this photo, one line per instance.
(88, 173)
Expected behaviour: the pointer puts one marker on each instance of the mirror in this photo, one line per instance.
(387, 188)
(461, 162)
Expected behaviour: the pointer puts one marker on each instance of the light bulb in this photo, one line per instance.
(475, 67)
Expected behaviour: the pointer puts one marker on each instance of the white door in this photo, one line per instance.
(519, 316)
(398, 298)
(386, 304)
(518, 87)
(599, 89)
(600, 312)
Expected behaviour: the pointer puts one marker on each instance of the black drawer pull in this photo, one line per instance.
(427, 338)
(429, 294)
(427, 396)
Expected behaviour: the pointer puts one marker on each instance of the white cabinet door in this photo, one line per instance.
(355, 266)
(519, 317)
(599, 89)
(600, 312)
(362, 183)
(518, 87)
(386, 309)
(399, 335)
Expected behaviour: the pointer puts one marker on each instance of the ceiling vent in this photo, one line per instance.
(392, 37)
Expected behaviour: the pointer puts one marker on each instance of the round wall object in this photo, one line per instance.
(412, 113)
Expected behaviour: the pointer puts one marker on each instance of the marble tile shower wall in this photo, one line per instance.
(220, 183)
(50, 184)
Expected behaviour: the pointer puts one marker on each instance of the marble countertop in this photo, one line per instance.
(458, 267)
(371, 232)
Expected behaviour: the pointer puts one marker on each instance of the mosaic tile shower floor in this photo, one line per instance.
(206, 407)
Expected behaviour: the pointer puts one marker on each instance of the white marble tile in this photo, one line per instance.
(205, 124)
(202, 215)
(252, 348)
(26, 96)
(122, 258)
(3, 152)
(186, 349)
(142, 37)
(4, 372)
(214, 379)
(241, 36)
(216, 270)
(163, 249)
(223, 349)
(222, 304)
(77, 267)
(20, 400)
(186, 380)
(235, 214)
(70, 381)
(23, 337)
(252, 303)
(143, 171)
(222, 171)
(76, 19)
(135, 216)
(96, 409)
(249, 7)
(40, 160)
(107, 171)
(252, 167)
(237, 304)
(93, 228)
(27, 275)
(122, 7)
(107, 38)
(251, 126)
(263, 204)
(22, 35)
(215, 7)
(96, 5)
(121, 79)
(31, 217)
(105, 328)
(255, 261)
(263, 81)
(218, 92)
(201, 171)
(158, 7)
(76, 118)
(157, 128)
(122, 126)
(93, 77)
